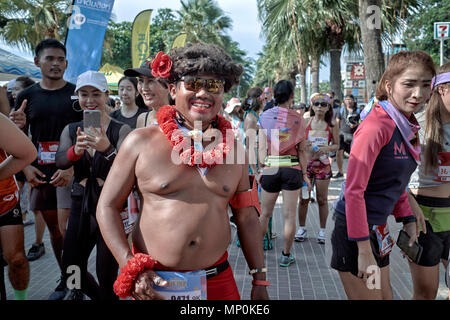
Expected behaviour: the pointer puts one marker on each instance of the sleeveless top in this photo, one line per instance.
(96, 166)
(319, 137)
(441, 175)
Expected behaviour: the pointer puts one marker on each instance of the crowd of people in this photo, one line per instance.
(156, 183)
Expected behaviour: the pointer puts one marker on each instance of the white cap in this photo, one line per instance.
(11, 84)
(92, 78)
(233, 102)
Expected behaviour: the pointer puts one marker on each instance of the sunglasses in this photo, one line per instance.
(321, 104)
(195, 84)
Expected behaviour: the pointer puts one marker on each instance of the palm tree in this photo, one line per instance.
(390, 18)
(204, 20)
(27, 22)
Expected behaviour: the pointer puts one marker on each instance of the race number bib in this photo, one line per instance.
(47, 152)
(443, 174)
(183, 285)
(384, 239)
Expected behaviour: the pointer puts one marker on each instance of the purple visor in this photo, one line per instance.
(439, 79)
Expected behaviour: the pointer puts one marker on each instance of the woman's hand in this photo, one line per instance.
(94, 139)
(365, 259)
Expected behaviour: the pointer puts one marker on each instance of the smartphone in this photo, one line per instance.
(91, 118)
(414, 252)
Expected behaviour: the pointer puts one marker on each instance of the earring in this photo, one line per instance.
(79, 107)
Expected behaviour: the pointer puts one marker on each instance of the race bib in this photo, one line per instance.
(384, 239)
(183, 285)
(127, 225)
(443, 174)
(47, 152)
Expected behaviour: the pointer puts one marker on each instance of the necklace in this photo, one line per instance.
(189, 155)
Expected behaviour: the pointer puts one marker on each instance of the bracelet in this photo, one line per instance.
(128, 274)
(108, 150)
(264, 283)
(72, 156)
(263, 269)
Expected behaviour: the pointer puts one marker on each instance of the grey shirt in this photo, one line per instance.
(419, 179)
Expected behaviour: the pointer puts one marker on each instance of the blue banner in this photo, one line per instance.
(85, 35)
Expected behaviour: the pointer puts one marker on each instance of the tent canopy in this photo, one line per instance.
(113, 75)
(12, 66)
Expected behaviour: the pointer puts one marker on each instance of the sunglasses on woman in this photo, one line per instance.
(195, 84)
(322, 104)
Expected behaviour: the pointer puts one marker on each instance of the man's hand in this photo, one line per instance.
(259, 293)
(308, 182)
(34, 176)
(18, 116)
(143, 289)
(61, 178)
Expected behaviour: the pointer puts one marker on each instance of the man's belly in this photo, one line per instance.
(188, 237)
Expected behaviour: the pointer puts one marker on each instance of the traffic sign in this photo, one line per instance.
(441, 30)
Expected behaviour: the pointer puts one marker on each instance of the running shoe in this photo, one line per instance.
(300, 235)
(60, 291)
(338, 176)
(75, 294)
(321, 237)
(36, 251)
(286, 261)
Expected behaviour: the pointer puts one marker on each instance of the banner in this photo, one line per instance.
(86, 32)
(180, 41)
(140, 38)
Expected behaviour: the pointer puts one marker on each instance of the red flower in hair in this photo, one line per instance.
(161, 65)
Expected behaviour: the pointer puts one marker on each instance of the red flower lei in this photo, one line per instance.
(166, 119)
(128, 274)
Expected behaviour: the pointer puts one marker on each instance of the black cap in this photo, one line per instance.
(144, 69)
(136, 72)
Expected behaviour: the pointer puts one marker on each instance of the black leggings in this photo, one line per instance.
(76, 254)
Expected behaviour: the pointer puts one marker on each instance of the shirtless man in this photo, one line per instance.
(183, 224)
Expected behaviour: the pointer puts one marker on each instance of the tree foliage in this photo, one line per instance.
(419, 33)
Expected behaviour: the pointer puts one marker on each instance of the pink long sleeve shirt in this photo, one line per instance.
(378, 172)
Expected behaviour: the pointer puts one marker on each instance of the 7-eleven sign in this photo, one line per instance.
(441, 30)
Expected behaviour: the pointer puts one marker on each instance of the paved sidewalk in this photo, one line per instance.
(309, 278)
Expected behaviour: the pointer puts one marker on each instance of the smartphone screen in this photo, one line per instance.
(91, 118)
(414, 252)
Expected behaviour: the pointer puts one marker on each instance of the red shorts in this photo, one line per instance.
(219, 287)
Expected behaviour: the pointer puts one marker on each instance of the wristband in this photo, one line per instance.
(72, 156)
(264, 283)
(264, 269)
(128, 274)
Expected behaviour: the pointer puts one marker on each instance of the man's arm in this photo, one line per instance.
(4, 103)
(249, 231)
(116, 189)
(20, 149)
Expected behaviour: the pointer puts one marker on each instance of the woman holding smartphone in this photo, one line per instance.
(429, 188)
(384, 154)
(91, 152)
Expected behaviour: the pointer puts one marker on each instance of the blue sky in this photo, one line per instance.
(246, 26)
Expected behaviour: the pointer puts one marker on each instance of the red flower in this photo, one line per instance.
(161, 65)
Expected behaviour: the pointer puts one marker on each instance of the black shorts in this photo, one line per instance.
(343, 145)
(12, 217)
(436, 246)
(345, 252)
(284, 179)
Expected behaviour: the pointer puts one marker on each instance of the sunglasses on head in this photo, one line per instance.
(195, 84)
(322, 104)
